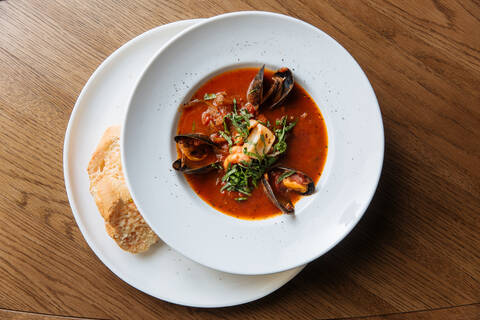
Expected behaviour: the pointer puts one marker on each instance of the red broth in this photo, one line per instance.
(307, 143)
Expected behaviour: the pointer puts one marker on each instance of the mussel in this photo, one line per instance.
(282, 85)
(197, 154)
(278, 182)
(255, 89)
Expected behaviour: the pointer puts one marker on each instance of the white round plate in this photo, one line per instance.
(161, 272)
(355, 153)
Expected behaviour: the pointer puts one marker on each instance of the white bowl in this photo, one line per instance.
(342, 92)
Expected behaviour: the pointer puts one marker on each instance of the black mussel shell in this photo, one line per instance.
(181, 166)
(283, 83)
(255, 89)
(280, 201)
(310, 185)
(177, 165)
(285, 205)
(198, 136)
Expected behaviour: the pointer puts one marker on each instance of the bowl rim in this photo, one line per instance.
(361, 211)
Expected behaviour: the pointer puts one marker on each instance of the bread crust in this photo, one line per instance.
(123, 221)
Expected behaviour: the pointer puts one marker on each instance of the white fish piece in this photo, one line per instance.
(260, 140)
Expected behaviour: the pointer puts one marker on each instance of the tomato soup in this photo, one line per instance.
(307, 142)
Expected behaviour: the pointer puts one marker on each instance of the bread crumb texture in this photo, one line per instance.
(123, 221)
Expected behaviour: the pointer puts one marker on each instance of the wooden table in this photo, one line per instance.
(414, 255)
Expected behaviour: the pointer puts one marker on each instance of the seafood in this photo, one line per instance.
(260, 139)
(255, 89)
(197, 154)
(237, 135)
(236, 156)
(282, 85)
(278, 182)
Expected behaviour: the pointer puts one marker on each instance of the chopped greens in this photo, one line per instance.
(266, 124)
(286, 174)
(240, 121)
(226, 137)
(283, 127)
(216, 165)
(209, 96)
(225, 127)
(243, 177)
(262, 137)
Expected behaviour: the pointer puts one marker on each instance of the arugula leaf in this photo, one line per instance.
(209, 96)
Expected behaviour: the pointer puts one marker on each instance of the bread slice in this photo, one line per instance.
(123, 221)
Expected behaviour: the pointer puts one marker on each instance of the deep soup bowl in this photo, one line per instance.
(355, 143)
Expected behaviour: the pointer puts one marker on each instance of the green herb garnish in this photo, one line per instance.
(216, 165)
(243, 177)
(240, 120)
(225, 127)
(226, 137)
(262, 137)
(209, 96)
(266, 124)
(283, 127)
(284, 175)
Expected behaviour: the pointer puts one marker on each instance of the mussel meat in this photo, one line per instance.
(197, 154)
(278, 182)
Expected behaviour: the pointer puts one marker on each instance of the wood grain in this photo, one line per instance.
(20, 315)
(418, 246)
(453, 313)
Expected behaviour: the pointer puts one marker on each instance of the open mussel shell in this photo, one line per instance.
(278, 181)
(283, 83)
(255, 89)
(282, 203)
(188, 166)
(202, 137)
(182, 167)
(307, 182)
